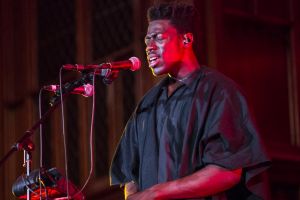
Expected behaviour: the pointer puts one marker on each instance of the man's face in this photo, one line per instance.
(164, 47)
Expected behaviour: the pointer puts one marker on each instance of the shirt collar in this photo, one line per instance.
(189, 79)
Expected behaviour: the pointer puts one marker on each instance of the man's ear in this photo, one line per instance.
(188, 39)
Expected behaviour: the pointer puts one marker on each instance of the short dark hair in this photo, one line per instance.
(181, 15)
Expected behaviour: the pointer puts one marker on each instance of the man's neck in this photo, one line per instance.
(188, 65)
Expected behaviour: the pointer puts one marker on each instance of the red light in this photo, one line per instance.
(51, 193)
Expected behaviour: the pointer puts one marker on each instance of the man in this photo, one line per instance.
(191, 136)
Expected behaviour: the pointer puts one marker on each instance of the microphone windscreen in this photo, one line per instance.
(136, 63)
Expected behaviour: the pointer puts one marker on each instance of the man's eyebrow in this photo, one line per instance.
(150, 35)
(154, 33)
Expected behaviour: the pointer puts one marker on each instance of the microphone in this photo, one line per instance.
(132, 64)
(86, 90)
(54, 185)
(81, 86)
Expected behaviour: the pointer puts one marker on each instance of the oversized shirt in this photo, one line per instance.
(205, 121)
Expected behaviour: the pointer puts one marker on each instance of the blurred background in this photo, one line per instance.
(255, 42)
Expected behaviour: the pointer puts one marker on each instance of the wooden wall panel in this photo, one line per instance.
(295, 51)
(18, 80)
(255, 57)
(274, 8)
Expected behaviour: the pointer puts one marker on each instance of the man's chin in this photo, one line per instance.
(157, 71)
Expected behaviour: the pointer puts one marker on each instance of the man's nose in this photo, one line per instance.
(150, 46)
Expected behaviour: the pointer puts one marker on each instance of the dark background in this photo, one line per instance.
(255, 42)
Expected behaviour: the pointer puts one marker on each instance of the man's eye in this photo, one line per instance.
(155, 37)
(159, 36)
(147, 39)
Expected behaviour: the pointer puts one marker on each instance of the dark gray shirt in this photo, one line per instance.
(205, 121)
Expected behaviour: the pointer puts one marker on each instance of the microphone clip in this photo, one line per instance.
(109, 75)
(67, 88)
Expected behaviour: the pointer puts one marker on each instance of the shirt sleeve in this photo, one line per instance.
(231, 139)
(125, 161)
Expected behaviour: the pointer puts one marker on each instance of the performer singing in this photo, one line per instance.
(191, 136)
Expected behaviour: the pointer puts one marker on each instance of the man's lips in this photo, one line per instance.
(153, 60)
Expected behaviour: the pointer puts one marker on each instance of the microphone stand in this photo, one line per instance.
(28, 148)
(25, 144)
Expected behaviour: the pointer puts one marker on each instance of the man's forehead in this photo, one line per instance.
(159, 25)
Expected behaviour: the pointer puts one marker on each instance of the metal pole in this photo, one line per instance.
(27, 163)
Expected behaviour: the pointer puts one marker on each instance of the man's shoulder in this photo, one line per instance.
(213, 83)
(218, 80)
(216, 76)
